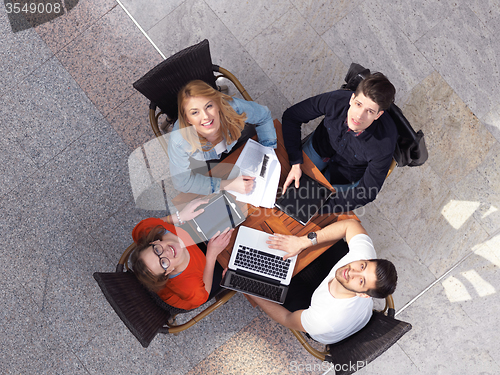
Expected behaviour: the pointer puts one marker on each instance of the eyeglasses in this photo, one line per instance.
(164, 262)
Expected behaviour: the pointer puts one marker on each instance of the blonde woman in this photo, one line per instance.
(210, 125)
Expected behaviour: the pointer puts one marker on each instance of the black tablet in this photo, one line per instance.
(303, 203)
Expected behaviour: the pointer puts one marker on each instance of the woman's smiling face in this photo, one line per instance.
(203, 114)
(171, 247)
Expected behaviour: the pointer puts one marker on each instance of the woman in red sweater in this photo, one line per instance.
(167, 261)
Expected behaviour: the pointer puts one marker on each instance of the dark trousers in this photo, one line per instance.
(217, 278)
(306, 281)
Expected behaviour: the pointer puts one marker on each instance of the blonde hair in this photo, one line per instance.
(231, 123)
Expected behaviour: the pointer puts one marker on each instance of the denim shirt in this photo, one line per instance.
(179, 149)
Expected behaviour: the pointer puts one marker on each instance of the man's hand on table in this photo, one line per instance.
(293, 175)
(293, 245)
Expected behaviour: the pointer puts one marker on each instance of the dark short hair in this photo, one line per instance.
(378, 88)
(144, 275)
(387, 278)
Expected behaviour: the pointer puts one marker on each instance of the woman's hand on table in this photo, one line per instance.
(241, 184)
(293, 245)
(189, 212)
(219, 242)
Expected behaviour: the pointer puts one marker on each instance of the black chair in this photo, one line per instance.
(162, 83)
(381, 332)
(143, 312)
(410, 147)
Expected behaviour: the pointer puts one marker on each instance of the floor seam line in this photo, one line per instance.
(140, 28)
(434, 283)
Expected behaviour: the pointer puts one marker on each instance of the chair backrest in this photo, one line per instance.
(410, 148)
(364, 346)
(162, 83)
(143, 314)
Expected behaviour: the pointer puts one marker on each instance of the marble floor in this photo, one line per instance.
(70, 118)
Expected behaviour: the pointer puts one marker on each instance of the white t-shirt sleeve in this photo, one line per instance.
(360, 248)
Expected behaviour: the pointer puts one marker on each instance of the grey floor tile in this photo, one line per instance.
(74, 305)
(216, 329)
(95, 167)
(451, 130)
(38, 208)
(39, 226)
(225, 49)
(148, 13)
(15, 164)
(131, 121)
(405, 198)
(444, 339)
(259, 14)
(299, 64)
(476, 289)
(413, 275)
(48, 111)
(416, 18)
(107, 58)
(481, 189)
(275, 101)
(261, 348)
(322, 15)
(76, 16)
(114, 350)
(465, 53)
(22, 52)
(28, 343)
(114, 234)
(393, 362)
(452, 236)
(488, 12)
(492, 123)
(370, 38)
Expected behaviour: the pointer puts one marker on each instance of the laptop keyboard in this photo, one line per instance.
(269, 291)
(265, 263)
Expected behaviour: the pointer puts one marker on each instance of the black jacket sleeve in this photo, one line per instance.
(300, 113)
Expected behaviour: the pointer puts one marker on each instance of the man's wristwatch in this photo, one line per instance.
(313, 237)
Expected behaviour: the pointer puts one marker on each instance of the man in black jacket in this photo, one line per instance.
(353, 145)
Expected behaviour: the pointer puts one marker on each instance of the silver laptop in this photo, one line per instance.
(256, 269)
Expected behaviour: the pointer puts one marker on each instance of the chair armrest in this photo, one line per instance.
(226, 296)
(316, 353)
(230, 76)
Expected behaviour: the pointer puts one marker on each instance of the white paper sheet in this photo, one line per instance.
(262, 163)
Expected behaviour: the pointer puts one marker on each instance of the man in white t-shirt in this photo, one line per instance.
(341, 302)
